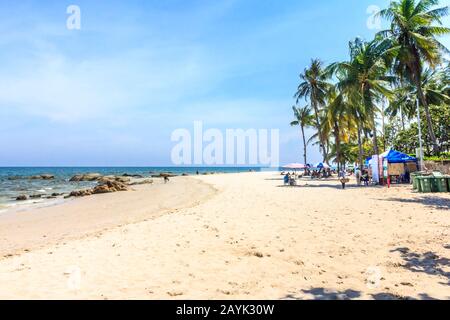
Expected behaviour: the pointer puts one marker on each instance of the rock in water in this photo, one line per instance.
(42, 177)
(22, 198)
(113, 178)
(86, 177)
(47, 177)
(132, 175)
(123, 179)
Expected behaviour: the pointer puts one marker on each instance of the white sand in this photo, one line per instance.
(251, 239)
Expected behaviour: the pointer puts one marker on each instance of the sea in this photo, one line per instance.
(14, 181)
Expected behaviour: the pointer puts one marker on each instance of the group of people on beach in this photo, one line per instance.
(362, 176)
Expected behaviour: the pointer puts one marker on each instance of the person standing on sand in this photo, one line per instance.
(343, 178)
(358, 176)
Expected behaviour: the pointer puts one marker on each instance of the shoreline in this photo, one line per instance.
(159, 199)
(251, 238)
(61, 185)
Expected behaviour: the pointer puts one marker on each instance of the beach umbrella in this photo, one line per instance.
(321, 165)
(295, 166)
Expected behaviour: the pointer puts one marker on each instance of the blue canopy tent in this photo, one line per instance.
(393, 156)
(399, 174)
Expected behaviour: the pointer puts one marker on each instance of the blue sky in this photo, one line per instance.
(111, 93)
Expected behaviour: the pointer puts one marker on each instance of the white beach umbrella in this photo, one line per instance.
(295, 166)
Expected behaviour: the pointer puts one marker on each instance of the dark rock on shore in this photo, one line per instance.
(132, 175)
(42, 177)
(108, 186)
(163, 175)
(36, 196)
(86, 177)
(22, 198)
(114, 178)
(80, 193)
(146, 181)
(90, 177)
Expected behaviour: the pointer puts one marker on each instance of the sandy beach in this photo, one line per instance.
(231, 236)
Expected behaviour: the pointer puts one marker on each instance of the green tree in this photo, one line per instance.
(313, 86)
(339, 123)
(414, 28)
(304, 119)
(365, 81)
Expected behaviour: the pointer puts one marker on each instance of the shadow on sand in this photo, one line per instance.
(323, 186)
(428, 262)
(329, 294)
(435, 202)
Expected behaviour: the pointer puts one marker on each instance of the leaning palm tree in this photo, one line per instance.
(304, 119)
(414, 27)
(314, 87)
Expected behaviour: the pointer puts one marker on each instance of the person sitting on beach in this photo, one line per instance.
(286, 179)
(365, 178)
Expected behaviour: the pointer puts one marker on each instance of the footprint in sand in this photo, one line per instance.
(175, 293)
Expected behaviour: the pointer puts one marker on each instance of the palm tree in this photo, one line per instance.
(364, 81)
(314, 87)
(341, 124)
(414, 27)
(304, 119)
(435, 91)
(402, 104)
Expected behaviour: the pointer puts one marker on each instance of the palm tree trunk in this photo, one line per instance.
(383, 126)
(304, 144)
(424, 103)
(375, 136)
(338, 145)
(360, 150)
(319, 130)
(402, 118)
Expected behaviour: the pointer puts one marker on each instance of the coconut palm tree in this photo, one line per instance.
(435, 92)
(304, 119)
(402, 104)
(414, 28)
(314, 87)
(365, 81)
(340, 123)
